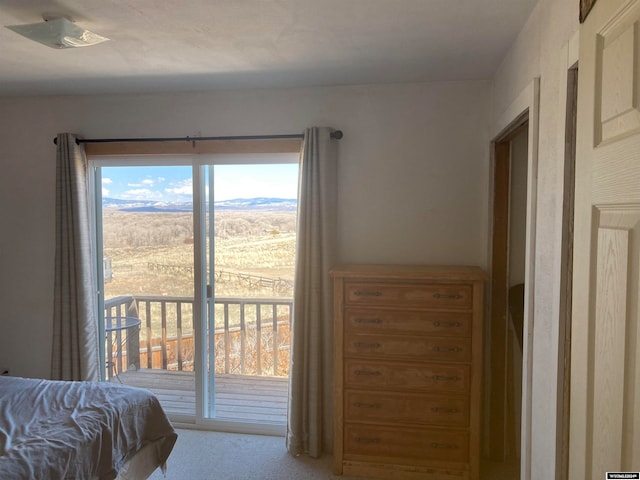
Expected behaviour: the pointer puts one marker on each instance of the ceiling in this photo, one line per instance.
(186, 45)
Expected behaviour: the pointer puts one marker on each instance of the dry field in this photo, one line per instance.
(256, 243)
(152, 254)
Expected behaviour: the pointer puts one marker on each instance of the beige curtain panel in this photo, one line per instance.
(75, 353)
(310, 415)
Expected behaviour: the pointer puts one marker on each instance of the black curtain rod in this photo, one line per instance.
(336, 134)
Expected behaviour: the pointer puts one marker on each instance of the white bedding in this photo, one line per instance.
(77, 430)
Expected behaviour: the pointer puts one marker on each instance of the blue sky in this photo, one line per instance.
(174, 183)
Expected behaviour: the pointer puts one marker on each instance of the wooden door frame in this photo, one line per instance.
(499, 291)
(524, 108)
(564, 268)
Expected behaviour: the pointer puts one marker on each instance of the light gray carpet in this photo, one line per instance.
(200, 455)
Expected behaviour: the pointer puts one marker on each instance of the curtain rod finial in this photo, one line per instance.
(337, 134)
(55, 141)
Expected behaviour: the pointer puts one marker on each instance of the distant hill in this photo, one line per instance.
(237, 204)
(259, 203)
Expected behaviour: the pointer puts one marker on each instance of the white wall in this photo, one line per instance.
(538, 52)
(413, 176)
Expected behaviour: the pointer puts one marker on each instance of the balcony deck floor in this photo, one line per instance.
(242, 398)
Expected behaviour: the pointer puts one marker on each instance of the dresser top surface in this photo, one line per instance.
(408, 272)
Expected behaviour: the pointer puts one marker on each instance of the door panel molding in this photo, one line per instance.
(619, 251)
(608, 345)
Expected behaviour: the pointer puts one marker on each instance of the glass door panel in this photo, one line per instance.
(147, 240)
(251, 226)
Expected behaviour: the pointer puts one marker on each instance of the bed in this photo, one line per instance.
(80, 430)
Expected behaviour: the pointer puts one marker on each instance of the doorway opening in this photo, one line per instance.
(508, 284)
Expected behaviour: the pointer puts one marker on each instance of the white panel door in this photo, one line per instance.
(605, 367)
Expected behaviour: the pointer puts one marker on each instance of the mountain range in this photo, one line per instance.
(245, 204)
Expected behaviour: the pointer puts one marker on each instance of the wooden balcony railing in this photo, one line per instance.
(251, 335)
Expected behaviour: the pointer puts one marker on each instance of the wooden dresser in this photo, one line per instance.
(408, 366)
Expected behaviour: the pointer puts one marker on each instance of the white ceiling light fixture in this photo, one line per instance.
(58, 33)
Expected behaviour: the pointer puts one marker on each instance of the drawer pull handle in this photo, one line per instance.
(367, 293)
(367, 440)
(448, 446)
(366, 405)
(447, 324)
(445, 378)
(455, 296)
(446, 349)
(367, 373)
(367, 345)
(444, 410)
(368, 320)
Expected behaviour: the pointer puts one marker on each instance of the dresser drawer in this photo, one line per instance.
(408, 295)
(408, 409)
(409, 348)
(406, 443)
(406, 376)
(441, 324)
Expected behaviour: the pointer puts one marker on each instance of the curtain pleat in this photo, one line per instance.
(75, 353)
(310, 410)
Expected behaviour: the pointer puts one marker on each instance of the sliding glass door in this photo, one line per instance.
(197, 262)
(145, 238)
(250, 238)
